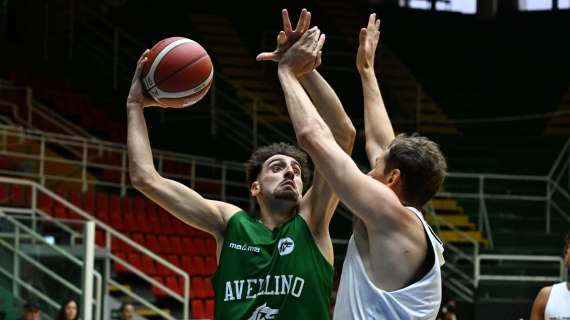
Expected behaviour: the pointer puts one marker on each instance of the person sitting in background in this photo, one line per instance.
(68, 311)
(127, 311)
(32, 310)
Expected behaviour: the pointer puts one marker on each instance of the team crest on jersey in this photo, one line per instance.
(285, 246)
(263, 312)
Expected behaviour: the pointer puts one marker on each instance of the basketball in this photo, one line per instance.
(178, 72)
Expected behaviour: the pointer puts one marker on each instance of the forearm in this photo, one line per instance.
(305, 118)
(141, 166)
(330, 108)
(377, 125)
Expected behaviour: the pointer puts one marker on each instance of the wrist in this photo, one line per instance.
(367, 73)
(285, 70)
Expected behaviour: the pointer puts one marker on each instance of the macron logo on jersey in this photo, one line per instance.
(285, 246)
(263, 312)
(244, 247)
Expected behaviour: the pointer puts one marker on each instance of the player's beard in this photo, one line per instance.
(286, 194)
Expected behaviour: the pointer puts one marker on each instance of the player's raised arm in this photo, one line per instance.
(181, 201)
(377, 126)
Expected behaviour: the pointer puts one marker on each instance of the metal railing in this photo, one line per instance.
(562, 272)
(110, 235)
(23, 235)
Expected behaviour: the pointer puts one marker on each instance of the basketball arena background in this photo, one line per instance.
(488, 80)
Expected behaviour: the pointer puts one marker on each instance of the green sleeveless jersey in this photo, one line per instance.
(271, 274)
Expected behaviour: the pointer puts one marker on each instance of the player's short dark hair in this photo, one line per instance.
(422, 167)
(259, 156)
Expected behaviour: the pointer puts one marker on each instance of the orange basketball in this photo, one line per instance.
(178, 72)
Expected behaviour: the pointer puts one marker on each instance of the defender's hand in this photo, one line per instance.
(287, 37)
(305, 54)
(368, 39)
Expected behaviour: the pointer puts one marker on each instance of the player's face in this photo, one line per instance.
(280, 178)
(378, 171)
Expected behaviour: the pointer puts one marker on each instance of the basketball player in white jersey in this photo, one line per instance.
(392, 266)
(553, 302)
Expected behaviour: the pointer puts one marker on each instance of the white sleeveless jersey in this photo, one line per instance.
(358, 298)
(558, 305)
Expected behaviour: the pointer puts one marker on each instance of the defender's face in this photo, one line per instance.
(378, 172)
(280, 178)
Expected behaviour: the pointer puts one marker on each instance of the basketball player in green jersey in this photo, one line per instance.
(277, 265)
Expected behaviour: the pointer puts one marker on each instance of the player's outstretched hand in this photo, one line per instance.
(287, 37)
(368, 39)
(305, 54)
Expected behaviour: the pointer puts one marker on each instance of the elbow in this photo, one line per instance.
(141, 180)
(310, 136)
(349, 136)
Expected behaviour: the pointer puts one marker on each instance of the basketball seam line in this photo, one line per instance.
(205, 54)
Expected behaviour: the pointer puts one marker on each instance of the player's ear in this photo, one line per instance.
(394, 178)
(254, 189)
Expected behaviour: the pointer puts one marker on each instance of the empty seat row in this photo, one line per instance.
(202, 309)
(193, 265)
(164, 244)
(200, 288)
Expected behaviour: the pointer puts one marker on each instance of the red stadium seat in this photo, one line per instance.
(209, 309)
(208, 288)
(211, 265)
(19, 195)
(45, 202)
(199, 266)
(165, 222)
(129, 222)
(187, 264)
(152, 243)
(141, 221)
(75, 199)
(172, 284)
(102, 201)
(156, 290)
(200, 246)
(176, 245)
(119, 267)
(211, 247)
(135, 260)
(188, 246)
(148, 265)
(99, 238)
(164, 245)
(198, 309)
(89, 202)
(115, 205)
(174, 260)
(197, 288)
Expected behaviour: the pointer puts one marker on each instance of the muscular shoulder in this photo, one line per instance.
(544, 294)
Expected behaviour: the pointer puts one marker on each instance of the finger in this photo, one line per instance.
(140, 66)
(301, 21)
(371, 19)
(307, 22)
(281, 38)
(307, 36)
(377, 24)
(362, 35)
(266, 56)
(286, 21)
(320, 43)
(143, 55)
(319, 59)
